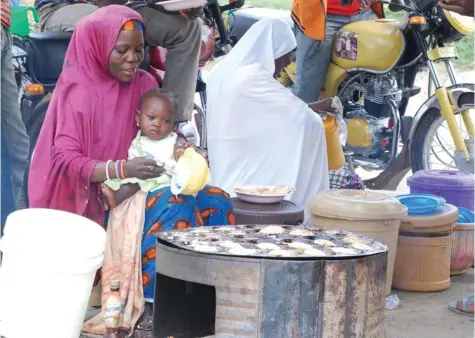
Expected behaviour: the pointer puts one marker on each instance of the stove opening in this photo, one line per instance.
(183, 309)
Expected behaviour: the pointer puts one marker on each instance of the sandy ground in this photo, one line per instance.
(421, 315)
(426, 314)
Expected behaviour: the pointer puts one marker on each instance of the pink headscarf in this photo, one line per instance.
(91, 118)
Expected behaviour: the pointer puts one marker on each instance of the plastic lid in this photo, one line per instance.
(356, 204)
(442, 179)
(56, 240)
(443, 215)
(421, 204)
(115, 284)
(465, 216)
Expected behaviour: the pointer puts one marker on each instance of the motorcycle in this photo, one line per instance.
(39, 58)
(373, 71)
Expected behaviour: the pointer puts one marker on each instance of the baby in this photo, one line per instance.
(155, 140)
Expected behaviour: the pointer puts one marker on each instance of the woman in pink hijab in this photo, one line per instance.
(90, 121)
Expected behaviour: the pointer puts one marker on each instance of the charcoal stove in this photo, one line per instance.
(286, 282)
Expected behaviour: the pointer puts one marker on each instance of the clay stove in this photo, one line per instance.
(203, 294)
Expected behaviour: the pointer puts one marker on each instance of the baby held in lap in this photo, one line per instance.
(155, 140)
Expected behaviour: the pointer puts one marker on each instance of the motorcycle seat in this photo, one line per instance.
(46, 52)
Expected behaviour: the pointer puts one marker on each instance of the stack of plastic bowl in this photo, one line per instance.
(423, 252)
(462, 256)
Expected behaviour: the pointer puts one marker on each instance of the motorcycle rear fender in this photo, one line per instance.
(462, 94)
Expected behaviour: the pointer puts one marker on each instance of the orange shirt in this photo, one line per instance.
(335, 8)
(310, 15)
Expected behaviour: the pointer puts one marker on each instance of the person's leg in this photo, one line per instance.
(164, 212)
(12, 128)
(114, 198)
(182, 38)
(312, 60)
(8, 204)
(215, 207)
(63, 18)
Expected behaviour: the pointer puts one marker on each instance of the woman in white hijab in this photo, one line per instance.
(259, 133)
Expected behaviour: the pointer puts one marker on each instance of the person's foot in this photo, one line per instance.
(109, 194)
(146, 320)
(463, 306)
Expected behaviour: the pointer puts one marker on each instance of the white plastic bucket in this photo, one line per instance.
(50, 259)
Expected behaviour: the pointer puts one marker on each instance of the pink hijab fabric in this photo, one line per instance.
(91, 118)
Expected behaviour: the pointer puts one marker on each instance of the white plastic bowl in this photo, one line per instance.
(176, 5)
(245, 194)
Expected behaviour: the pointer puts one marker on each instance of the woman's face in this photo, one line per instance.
(126, 55)
(282, 62)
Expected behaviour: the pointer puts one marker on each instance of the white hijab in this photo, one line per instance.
(264, 42)
(259, 133)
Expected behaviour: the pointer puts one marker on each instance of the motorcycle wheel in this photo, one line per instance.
(429, 142)
(33, 129)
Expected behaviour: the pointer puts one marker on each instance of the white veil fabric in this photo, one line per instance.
(259, 133)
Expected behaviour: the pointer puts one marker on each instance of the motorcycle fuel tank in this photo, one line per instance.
(375, 46)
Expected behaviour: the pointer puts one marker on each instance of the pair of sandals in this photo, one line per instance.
(463, 306)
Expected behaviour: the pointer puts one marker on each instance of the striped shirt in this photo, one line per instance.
(6, 13)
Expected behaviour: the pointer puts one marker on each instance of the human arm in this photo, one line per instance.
(463, 7)
(323, 106)
(181, 145)
(191, 13)
(140, 167)
(73, 150)
(364, 3)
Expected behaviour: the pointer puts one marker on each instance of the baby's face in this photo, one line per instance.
(155, 117)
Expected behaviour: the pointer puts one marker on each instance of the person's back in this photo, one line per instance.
(263, 135)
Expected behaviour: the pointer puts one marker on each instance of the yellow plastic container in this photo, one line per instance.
(368, 213)
(336, 157)
(191, 173)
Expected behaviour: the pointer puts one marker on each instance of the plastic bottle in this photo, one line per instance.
(113, 311)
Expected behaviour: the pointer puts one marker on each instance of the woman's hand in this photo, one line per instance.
(143, 168)
(191, 13)
(323, 106)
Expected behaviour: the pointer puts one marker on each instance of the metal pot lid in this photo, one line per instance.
(442, 179)
(356, 204)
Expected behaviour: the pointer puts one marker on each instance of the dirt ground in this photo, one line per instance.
(427, 315)
(421, 315)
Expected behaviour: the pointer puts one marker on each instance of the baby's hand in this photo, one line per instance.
(180, 149)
